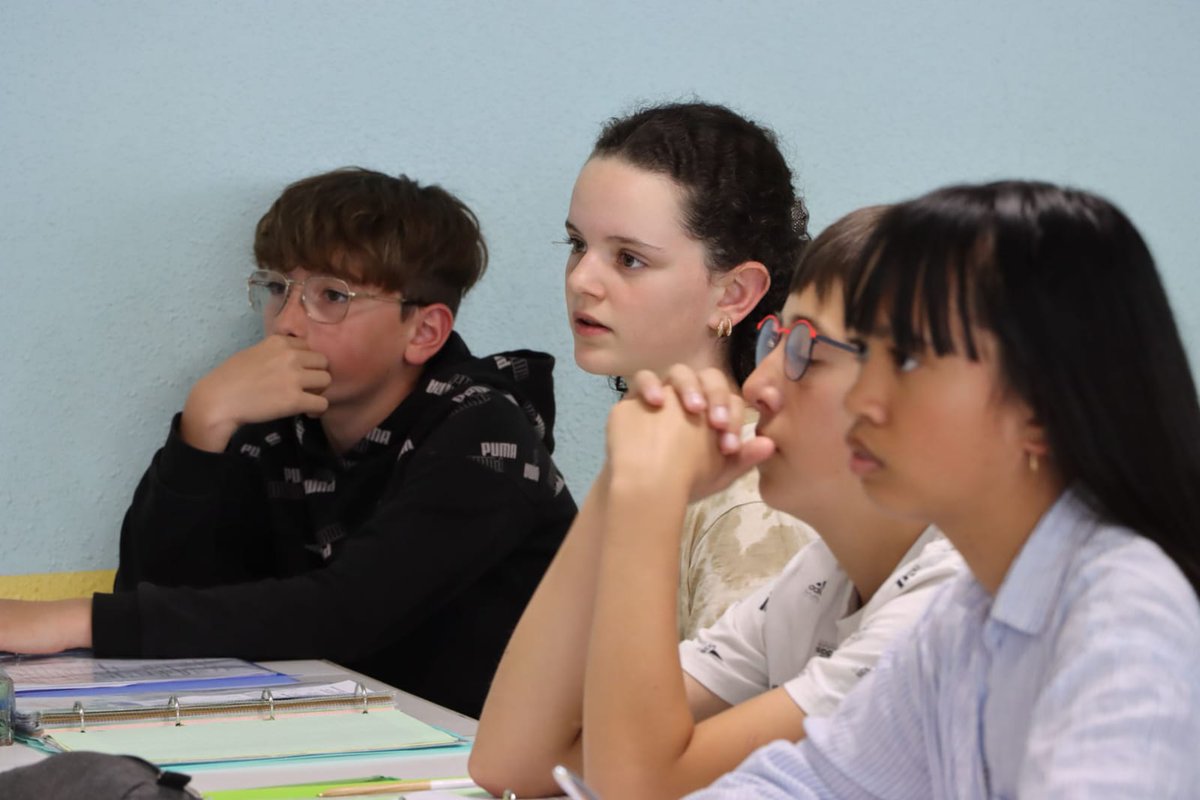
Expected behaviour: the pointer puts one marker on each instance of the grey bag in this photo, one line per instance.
(93, 776)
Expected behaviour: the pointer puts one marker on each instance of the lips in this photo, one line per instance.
(862, 461)
(761, 430)
(587, 325)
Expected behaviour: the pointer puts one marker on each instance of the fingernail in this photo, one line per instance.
(693, 400)
(730, 442)
(719, 414)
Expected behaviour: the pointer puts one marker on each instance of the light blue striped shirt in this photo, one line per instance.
(1080, 679)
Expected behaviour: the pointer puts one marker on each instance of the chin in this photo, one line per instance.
(894, 502)
(596, 362)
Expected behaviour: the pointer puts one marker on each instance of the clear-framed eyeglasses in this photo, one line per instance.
(798, 343)
(326, 299)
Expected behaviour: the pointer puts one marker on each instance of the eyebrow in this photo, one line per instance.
(625, 240)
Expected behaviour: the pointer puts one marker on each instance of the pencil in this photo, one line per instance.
(388, 787)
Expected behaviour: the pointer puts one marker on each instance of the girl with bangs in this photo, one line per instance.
(1023, 385)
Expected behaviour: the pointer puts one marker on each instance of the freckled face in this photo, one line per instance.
(638, 293)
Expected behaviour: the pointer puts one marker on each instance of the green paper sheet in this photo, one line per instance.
(341, 758)
(228, 740)
(290, 792)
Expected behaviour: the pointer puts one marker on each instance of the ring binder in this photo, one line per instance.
(360, 690)
(267, 707)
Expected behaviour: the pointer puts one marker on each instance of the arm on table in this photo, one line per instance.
(874, 745)
(451, 515)
(534, 714)
(534, 711)
(640, 735)
(46, 626)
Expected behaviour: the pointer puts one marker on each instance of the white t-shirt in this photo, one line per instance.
(806, 631)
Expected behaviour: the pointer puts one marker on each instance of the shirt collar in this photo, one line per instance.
(1028, 596)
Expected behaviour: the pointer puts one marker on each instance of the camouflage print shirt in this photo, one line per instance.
(732, 543)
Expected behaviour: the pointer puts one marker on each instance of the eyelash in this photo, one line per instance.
(574, 242)
(899, 357)
(625, 256)
(578, 247)
(905, 362)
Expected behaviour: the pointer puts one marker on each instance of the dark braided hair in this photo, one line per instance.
(739, 198)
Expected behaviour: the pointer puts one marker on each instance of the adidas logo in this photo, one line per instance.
(815, 589)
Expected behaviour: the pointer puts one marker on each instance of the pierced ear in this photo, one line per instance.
(741, 288)
(433, 325)
(1033, 437)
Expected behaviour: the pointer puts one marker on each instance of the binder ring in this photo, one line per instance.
(361, 691)
(78, 709)
(269, 699)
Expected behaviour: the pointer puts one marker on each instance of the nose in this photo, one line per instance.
(866, 397)
(292, 320)
(583, 275)
(763, 388)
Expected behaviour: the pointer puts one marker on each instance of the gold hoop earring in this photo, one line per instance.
(1033, 462)
(724, 327)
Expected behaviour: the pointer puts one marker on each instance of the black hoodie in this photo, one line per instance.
(410, 557)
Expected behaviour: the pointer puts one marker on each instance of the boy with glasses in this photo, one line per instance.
(356, 486)
(595, 655)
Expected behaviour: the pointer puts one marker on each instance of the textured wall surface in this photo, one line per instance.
(139, 142)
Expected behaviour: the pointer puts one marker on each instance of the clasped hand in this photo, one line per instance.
(683, 427)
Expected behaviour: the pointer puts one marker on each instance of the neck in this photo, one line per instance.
(867, 543)
(991, 533)
(346, 423)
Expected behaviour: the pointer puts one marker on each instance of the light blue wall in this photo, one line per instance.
(139, 142)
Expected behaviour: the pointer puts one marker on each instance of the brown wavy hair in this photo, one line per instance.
(383, 231)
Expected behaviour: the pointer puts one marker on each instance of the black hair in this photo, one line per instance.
(739, 198)
(1086, 337)
(831, 260)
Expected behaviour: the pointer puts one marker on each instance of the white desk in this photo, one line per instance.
(418, 764)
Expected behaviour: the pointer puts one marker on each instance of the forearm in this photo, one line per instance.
(637, 719)
(533, 714)
(45, 626)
